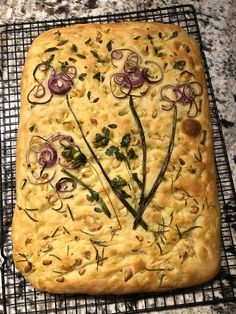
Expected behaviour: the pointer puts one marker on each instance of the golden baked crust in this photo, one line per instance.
(80, 235)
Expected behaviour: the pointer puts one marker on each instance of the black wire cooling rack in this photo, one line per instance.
(18, 296)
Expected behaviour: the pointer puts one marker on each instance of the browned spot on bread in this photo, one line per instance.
(191, 127)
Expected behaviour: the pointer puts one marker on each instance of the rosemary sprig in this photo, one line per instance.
(161, 174)
(144, 146)
(98, 198)
(123, 201)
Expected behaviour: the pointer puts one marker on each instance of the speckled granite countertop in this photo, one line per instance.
(218, 29)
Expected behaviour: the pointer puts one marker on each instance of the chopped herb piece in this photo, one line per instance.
(74, 48)
(136, 179)
(100, 41)
(30, 217)
(160, 34)
(165, 66)
(54, 233)
(31, 129)
(89, 95)
(112, 126)
(160, 54)
(95, 100)
(118, 182)
(126, 139)
(131, 154)
(57, 33)
(95, 54)
(98, 210)
(62, 42)
(174, 34)
(98, 76)
(150, 37)
(109, 45)
(124, 194)
(65, 230)
(70, 212)
(49, 61)
(55, 256)
(136, 37)
(102, 140)
(51, 49)
(87, 41)
(74, 156)
(120, 156)
(112, 150)
(72, 59)
(81, 56)
(64, 65)
(179, 65)
(94, 196)
(82, 76)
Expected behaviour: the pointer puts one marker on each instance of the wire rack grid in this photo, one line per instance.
(17, 294)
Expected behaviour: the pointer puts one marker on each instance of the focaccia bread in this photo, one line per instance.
(115, 175)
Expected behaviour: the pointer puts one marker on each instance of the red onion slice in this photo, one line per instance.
(136, 78)
(152, 72)
(117, 54)
(37, 143)
(120, 85)
(42, 70)
(65, 185)
(59, 84)
(36, 97)
(47, 157)
(70, 71)
(169, 94)
(38, 182)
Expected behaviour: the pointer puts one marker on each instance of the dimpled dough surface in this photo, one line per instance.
(92, 216)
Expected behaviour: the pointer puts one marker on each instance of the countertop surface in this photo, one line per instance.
(217, 22)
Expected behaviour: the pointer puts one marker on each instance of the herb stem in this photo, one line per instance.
(104, 189)
(144, 146)
(161, 174)
(116, 191)
(100, 200)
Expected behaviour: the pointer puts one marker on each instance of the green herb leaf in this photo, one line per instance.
(74, 156)
(165, 66)
(89, 95)
(81, 56)
(95, 100)
(49, 61)
(120, 156)
(118, 182)
(98, 76)
(87, 41)
(62, 42)
(31, 129)
(102, 140)
(126, 139)
(136, 179)
(131, 154)
(64, 65)
(179, 65)
(174, 34)
(109, 45)
(57, 33)
(74, 48)
(82, 76)
(51, 49)
(94, 196)
(95, 54)
(112, 150)
(136, 37)
(72, 59)
(98, 209)
(160, 35)
(112, 126)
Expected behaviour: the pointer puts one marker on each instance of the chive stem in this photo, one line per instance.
(161, 174)
(144, 146)
(116, 191)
